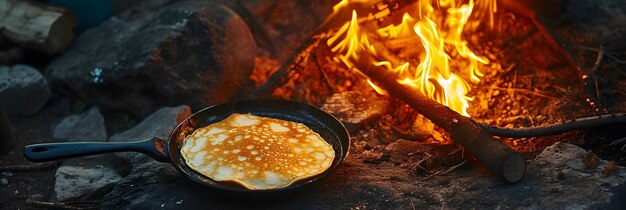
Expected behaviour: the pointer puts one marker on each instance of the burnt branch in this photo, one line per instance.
(551, 129)
(498, 157)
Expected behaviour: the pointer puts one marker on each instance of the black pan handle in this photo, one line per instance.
(154, 147)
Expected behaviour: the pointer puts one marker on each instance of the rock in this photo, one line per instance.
(355, 109)
(147, 187)
(23, 90)
(192, 52)
(566, 165)
(159, 124)
(289, 22)
(87, 126)
(83, 182)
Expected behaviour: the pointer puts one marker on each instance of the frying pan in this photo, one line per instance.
(327, 126)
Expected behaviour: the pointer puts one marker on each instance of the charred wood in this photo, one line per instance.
(36, 26)
(498, 157)
(551, 129)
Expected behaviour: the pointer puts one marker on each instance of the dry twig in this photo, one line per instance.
(444, 171)
(29, 167)
(524, 91)
(326, 79)
(74, 205)
(406, 135)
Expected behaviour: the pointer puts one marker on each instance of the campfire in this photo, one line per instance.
(416, 51)
(420, 100)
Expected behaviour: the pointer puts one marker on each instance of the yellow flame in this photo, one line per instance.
(432, 29)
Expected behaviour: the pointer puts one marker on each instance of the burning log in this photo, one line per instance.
(498, 157)
(36, 26)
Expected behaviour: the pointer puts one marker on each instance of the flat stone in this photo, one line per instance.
(193, 52)
(354, 108)
(83, 182)
(146, 183)
(23, 90)
(424, 157)
(159, 124)
(87, 126)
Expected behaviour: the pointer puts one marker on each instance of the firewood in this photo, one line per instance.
(36, 26)
(497, 156)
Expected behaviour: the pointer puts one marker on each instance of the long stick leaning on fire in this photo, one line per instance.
(475, 137)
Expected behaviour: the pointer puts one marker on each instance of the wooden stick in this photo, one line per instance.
(36, 26)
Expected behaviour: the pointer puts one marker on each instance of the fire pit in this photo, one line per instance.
(449, 104)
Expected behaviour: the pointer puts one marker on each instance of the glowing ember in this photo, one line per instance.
(427, 49)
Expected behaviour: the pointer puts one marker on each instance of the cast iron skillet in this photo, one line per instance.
(329, 128)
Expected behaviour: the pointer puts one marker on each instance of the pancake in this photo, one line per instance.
(257, 152)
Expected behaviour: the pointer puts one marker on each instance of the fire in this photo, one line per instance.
(427, 49)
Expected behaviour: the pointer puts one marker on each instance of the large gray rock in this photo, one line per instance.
(83, 182)
(159, 124)
(23, 90)
(87, 126)
(192, 52)
(386, 185)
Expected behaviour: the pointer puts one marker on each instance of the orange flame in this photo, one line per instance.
(434, 31)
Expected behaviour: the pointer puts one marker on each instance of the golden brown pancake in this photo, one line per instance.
(257, 152)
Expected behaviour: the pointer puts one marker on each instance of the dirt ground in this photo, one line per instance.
(33, 184)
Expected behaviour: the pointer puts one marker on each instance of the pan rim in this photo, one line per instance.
(343, 148)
